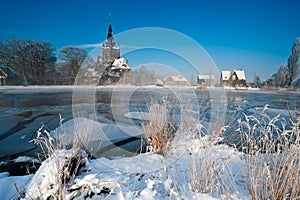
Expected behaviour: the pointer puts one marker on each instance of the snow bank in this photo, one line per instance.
(144, 176)
(13, 185)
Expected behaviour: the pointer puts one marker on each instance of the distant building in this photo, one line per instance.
(234, 78)
(9, 77)
(111, 67)
(3, 77)
(205, 80)
(110, 50)
(175, 80)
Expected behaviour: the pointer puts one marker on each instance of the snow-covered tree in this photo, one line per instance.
(73, 58)
(29, 59)
(281, 77)
(293, 62)
(256, 81)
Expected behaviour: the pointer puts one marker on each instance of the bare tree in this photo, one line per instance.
(30, 59)
(13, 55)
(256, 80)
(74, 58)
(42, 60)
(293, 63)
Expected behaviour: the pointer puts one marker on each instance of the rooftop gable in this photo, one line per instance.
(240, 74)
(206, 77)
(2, 74)
(177, 78)
(225, 75)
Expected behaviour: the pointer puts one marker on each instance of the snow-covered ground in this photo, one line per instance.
(177, 175)
(144, 176)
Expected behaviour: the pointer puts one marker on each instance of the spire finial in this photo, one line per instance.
(109, 18)
(110, 32)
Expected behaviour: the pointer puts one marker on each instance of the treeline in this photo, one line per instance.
(287, 75)
(35, 62)
(140, 77)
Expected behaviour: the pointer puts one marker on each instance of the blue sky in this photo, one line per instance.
(254, 35)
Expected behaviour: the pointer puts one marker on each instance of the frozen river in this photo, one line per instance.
(23, 111)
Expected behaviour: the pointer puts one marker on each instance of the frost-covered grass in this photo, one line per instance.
(272, 161)
(193, 165)
(159, 130)
(57, 173)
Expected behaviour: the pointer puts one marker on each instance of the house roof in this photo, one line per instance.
(206, 77)
(2, 74)
(177, 78)
(240, 74)
(226, 74)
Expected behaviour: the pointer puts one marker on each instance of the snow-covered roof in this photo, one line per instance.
(120, 63)
(177, 78)
(158, 82)
(226, 74)
(206, 77)
(240, 74)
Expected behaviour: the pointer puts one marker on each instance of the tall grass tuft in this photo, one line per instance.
(159, 130)
(272, 158)
(210, 170)
(62, 166)
(206, 168)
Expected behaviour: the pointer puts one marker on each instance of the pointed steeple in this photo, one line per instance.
(110, 50)
(110, 32)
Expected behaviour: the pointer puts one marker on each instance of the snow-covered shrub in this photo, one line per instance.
(272, 156)
(159, 129)
(204, 165)
(57, 172)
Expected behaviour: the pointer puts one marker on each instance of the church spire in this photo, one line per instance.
(110, 50)
(110, 32)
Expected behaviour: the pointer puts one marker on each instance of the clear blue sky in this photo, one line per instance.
(255, 35)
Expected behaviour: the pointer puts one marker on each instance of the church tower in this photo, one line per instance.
(110, 50)
(110, 66)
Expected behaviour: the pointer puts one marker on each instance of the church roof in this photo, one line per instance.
(120, 63)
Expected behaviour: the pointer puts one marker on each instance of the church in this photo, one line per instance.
(110, 64)
(107, 68)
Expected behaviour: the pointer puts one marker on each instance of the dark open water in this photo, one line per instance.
(22, 112)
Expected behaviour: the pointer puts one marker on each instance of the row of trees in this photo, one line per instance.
(139, 77)
(34, 62)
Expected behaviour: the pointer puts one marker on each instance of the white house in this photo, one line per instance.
(234, 78)
(205, 80)
(175, 80)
